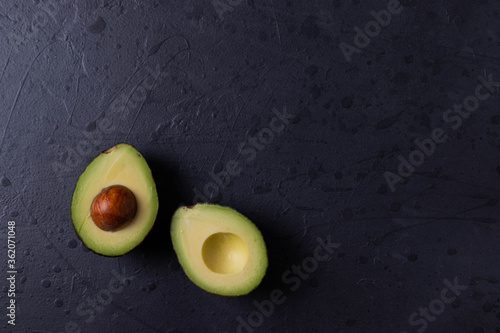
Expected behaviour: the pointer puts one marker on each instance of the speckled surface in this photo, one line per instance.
(194, 90)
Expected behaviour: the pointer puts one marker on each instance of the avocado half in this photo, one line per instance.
(219, 249)
(122, 167)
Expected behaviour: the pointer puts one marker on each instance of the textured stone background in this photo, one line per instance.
(62, 74)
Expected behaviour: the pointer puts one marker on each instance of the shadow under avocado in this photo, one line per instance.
(282, 254)
(158, 241)
(281, 250)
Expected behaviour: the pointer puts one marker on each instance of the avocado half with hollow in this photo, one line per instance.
(114, 203)
(219, 249)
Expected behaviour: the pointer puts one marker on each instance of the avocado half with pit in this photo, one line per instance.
(114, 203)
(219, 249)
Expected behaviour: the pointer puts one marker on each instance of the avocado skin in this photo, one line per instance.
(195, 282)
(105, 152)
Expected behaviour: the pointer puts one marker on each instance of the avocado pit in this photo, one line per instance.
(113, 208)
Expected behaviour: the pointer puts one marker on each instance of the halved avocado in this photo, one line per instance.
(114, 203)
(219, 249)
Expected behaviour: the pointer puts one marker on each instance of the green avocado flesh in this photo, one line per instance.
(121, 165)
(219, 249)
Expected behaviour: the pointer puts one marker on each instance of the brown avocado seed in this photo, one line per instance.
(113, 208)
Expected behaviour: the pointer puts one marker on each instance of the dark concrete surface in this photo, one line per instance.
(193, 89)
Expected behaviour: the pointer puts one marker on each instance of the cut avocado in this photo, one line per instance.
(114, 204)
(219, 249)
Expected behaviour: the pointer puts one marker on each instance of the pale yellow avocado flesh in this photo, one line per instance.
(220, 250)
(119, 165)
